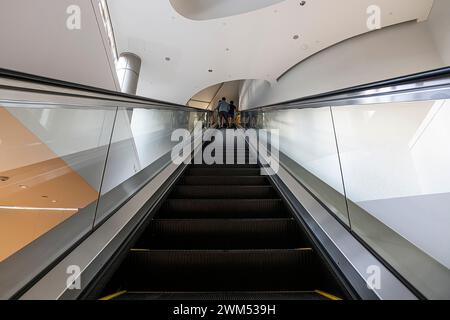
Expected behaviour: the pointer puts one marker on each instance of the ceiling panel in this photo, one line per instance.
(207, 9)
(181, 56)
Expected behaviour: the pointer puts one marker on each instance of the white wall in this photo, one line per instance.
(390, 52)
(252, 93)
(383, 156)
(34, 39)
(399, 170)
(439, 24)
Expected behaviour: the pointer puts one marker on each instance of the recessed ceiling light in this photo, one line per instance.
(296, 37)
(167, 59)
(210, 70)
(23, 186)
(302, 3)
(54, 201)
(227, 49)
(45, 197)
(3, 178)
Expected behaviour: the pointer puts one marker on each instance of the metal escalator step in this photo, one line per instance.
(224, 172)
(228, 149)
(224, 180)
(218, 270)
(223, 296)
(226, 166)
(223, 208)
(201, 234)
(233, 152)
(224, 192)
(222, 234)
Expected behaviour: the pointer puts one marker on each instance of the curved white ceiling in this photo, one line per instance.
(209, 97)
(261, 44)
(207, 9)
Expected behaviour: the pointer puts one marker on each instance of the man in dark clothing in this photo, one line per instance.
(223, 108)
(231, 114)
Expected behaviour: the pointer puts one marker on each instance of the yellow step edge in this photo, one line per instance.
(327, 295)
(112, 296)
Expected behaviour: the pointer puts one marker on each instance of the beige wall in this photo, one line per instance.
(42, 190)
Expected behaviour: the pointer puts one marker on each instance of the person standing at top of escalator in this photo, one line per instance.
(231, 115)
(224, 108)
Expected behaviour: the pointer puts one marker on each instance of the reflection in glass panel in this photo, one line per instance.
(141, 147)
(308, 147)
(396, 166)
(51, 166)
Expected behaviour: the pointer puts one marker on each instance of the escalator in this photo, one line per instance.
(131, 224)
(223, 233)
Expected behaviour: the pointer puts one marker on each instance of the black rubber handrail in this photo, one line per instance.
(350, 92)
(34, 79)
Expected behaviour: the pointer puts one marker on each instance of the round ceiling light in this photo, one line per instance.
(296, 37)
(3, 178)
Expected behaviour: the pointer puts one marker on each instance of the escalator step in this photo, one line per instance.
(208, 270)
(223, 208)
(226, 166)
(231, 151)
(224, 192)
(223, 234)
(224, 172)
(224, 180)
